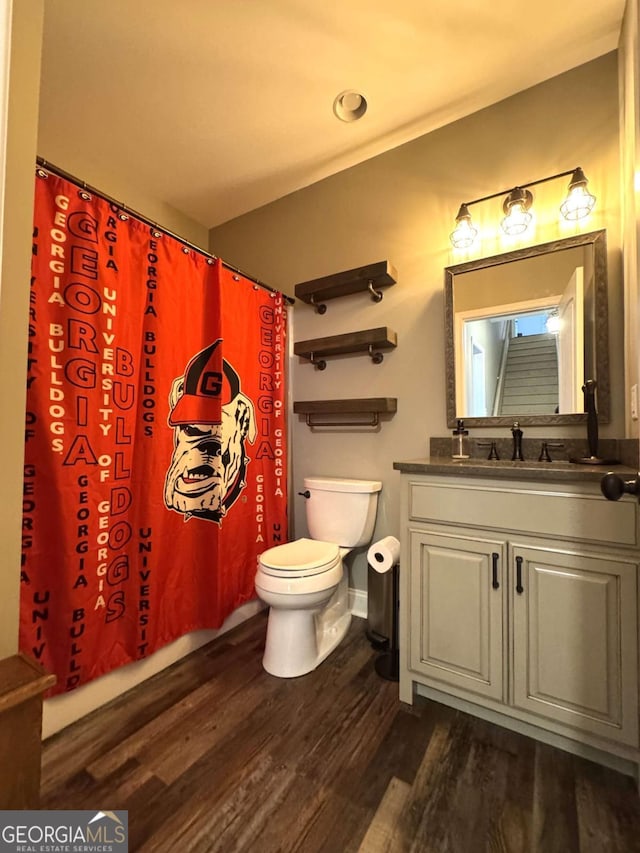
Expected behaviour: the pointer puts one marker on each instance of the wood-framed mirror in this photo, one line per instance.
(523, 330)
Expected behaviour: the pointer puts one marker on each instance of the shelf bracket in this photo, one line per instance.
(376, 357)
(371, 277)
(373, 422)
(376, 295)
(354, 412)
(320, 307)
(319, 363)
(366, 341)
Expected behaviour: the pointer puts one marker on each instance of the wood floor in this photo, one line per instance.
(216, 755)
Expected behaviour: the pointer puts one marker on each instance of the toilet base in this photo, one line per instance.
(299, 640)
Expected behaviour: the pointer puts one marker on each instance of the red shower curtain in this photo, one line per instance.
(155, 462)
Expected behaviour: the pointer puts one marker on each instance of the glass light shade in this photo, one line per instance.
(516, 206)
(517, 220)
(464, 233)
(578, 204)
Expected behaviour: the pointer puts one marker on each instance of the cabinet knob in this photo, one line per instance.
(614, 487)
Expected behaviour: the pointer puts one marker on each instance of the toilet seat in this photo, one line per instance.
(301, 558)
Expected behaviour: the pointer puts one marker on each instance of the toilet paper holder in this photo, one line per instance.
(383, 557)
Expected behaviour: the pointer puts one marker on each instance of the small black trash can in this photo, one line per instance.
(382, 619)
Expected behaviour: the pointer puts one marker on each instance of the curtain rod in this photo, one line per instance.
(45, 164)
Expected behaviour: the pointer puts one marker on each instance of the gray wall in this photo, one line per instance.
(401, 206)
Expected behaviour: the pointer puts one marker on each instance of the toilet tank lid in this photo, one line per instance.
(342, 484)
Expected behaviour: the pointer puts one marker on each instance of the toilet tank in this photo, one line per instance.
(342, 511)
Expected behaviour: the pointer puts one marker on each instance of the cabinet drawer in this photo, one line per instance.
(542, 512)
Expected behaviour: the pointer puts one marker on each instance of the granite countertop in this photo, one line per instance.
(560, 470)
(542, 471)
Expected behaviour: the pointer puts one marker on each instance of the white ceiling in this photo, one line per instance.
(220, 106)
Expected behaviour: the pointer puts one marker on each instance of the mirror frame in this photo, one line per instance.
(597, 239)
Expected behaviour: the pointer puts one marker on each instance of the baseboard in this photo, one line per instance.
(60, 711)
(627, 766)
(358, 602)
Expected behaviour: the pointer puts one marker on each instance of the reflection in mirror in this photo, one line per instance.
(525, 329)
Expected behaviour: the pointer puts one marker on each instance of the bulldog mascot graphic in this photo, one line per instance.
(212, 419)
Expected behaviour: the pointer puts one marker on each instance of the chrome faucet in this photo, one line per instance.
(517, 434)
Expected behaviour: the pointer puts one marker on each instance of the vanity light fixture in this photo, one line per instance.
(579, 203)
(464, 234)
(516, 206)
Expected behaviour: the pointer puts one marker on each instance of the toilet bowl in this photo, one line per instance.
(305, 583)
(297, 581)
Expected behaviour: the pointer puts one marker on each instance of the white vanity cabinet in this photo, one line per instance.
(452, 586)
(574, 626)
(521, 597)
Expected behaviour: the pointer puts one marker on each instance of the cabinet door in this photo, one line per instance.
(456, 611)
(574, 651)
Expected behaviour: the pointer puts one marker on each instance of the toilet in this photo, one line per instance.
(304, 582)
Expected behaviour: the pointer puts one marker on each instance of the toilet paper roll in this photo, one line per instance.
(384, 554)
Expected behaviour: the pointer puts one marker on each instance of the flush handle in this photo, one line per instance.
(305, 494)
(495, 583)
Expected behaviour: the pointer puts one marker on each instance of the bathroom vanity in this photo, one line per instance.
(519, 599)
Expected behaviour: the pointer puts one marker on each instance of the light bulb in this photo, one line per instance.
(553, 324)
(578, 204)
(517, 220)
(516, 206)
(464, 233)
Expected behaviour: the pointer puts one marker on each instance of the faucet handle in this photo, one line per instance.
(544, 450)
(493, 452)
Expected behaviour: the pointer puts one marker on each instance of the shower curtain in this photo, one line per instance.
(155, 439)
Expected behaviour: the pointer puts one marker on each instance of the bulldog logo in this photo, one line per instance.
(211, 418)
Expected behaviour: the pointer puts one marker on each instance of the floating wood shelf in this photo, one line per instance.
(371, 278)
(368, 340)
(371, 406)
